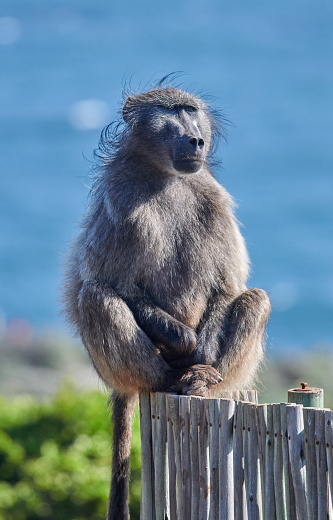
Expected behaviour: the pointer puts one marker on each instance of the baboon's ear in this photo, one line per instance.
(127, 109)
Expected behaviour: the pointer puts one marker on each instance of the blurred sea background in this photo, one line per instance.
(268, 66)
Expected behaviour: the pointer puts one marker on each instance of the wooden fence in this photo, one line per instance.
(220, 459)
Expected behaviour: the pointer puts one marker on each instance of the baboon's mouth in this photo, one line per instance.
(187, 164)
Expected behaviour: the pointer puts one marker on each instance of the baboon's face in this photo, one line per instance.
(176, 140)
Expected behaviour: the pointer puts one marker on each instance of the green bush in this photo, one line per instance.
(55, 458)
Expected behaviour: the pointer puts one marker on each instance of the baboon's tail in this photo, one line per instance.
(122, 415)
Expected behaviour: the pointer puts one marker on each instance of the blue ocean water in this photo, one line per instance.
(268, 66)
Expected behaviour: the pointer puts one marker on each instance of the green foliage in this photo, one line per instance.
(55, 458)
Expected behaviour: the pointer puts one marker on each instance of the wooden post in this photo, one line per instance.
(329, 455)
(238, 458)
(214, 420)
(279, 479)
(175, 479)
(296, 446)
(288, 483)
(147, 463)
(226, 476)
(321, 463)
(310, 455)
(160, 465)
(204, 477)
(195, 488)
(220, 459)
(307, 396)
(252, 473)
(184, 418)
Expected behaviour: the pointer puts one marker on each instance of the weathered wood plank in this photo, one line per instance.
(321, 463)
(253, 396)
(214, 421)
(296, 455)
(252, 473)
(329, 455)
(160, 466)
(289, 488)
(173, 413)
(238, 460)
(270, 512)
(171, 462)
(184, 419)
(310, 461)
(147, 505)
(261, 418)
(204, 480)
(279, 487)
(226, 463)
(195, 487)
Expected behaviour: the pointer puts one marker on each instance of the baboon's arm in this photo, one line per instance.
(173, 338)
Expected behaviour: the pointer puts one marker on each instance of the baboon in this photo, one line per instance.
(156, 280)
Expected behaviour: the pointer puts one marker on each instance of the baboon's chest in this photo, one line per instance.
(178, 266)
(179, 247)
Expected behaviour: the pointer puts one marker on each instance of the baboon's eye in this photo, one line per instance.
(187, 108)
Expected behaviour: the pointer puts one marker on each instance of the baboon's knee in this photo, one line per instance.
(255, 301)
(261, 298)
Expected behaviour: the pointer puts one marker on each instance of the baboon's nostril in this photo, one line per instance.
(197, 142)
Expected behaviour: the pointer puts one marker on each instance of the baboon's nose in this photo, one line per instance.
(197, 143)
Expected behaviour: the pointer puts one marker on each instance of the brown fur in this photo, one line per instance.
(156, 280)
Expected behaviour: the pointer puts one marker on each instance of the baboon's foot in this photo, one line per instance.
(198, 388)
(195, 379)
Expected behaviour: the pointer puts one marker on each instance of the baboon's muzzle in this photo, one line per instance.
(190, 154)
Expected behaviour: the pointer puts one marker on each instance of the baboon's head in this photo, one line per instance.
(169, 128)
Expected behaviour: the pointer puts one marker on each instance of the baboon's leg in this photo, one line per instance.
(124, 356)
(243, 344)
(122, 416)
(231, 338)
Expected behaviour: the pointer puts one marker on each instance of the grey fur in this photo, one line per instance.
(156, 280)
